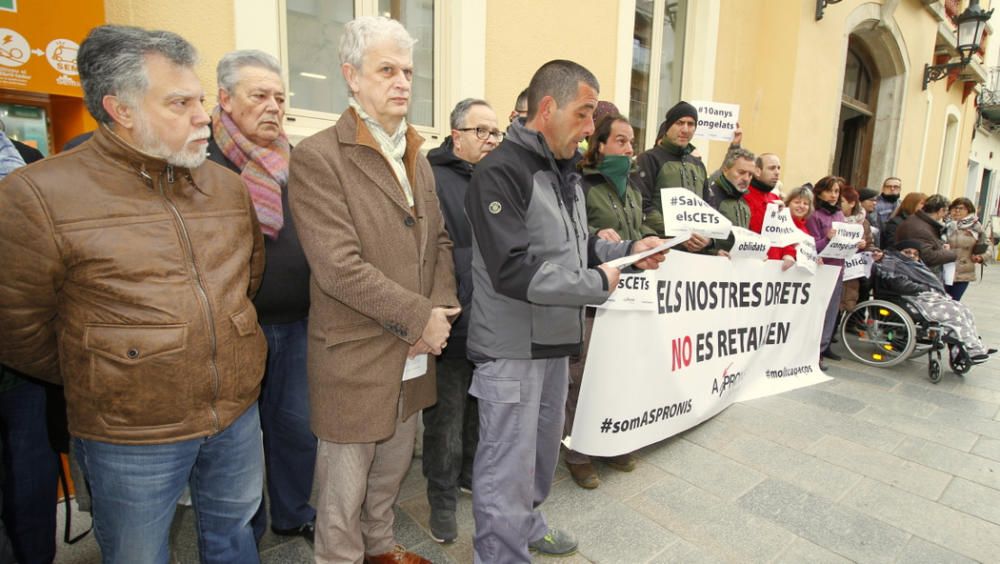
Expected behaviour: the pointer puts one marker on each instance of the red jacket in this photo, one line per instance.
(757, 197)
(777, 253)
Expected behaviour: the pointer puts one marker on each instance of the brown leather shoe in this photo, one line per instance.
(622, 462)
(399, 555)
(584, 475)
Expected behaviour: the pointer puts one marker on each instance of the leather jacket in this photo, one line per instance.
(128, 280)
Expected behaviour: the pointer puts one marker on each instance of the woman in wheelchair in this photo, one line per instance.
(901, 273)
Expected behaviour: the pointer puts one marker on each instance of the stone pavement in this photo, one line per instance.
(876, 465)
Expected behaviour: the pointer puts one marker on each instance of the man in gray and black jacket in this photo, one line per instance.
(534, 267)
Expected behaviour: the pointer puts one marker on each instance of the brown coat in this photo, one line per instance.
(129, 280)
(922, 227)
(377, 269)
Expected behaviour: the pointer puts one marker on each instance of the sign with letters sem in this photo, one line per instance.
(716, 120)
(39, 42)
(684, 212)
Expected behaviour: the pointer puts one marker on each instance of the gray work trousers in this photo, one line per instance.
(521, 408)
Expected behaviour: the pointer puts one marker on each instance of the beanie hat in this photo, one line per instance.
(604, 108)
(868, 194)
(680, 109)
(908, 244)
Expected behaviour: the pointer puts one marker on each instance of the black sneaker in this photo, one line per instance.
(305, 530)
(444, 528)
(828, 353)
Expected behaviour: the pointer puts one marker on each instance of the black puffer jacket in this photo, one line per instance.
(451, 178)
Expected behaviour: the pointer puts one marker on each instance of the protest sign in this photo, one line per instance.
(632, 259)
(858, 266)
(779, 227)
(749, 245)
(805, 255)
(684, 212)
(845, 243)
(721, 332)
(634, 291)
(716, 120)
(948, 273)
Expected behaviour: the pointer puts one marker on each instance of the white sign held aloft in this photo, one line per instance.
(858, 266)
(845, 243)
(684, 212)
(749, 245)
(779, 227)
(716, 120)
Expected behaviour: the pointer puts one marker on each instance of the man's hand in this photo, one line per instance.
(613, 274)
(435, 335)
(609, 234)
(723, 254)
(652, 262)
(696, 243)
(418, 348)
(737, 135)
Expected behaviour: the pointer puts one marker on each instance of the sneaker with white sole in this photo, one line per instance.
(556, 542)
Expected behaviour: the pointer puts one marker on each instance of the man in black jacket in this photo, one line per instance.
(451, 426)
(248, 138)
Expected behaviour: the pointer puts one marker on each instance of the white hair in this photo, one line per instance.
(228, 69)
(361, 33)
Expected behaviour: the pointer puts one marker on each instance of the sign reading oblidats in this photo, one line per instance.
(721, 331)
(716, 120)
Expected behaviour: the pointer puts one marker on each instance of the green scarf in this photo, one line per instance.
(616, 168)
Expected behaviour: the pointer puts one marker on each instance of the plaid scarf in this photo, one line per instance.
(393, 147)
(264, 170)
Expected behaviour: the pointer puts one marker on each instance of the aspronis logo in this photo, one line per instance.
(8, 5)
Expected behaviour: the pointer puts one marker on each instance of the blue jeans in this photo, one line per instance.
(135, 489)
(289, 444)
(31, 472)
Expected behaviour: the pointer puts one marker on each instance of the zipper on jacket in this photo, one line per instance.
(563, 212)
(200, 290)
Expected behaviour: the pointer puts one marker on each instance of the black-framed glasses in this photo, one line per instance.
(483, 134)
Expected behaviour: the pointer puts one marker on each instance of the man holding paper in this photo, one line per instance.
(534, 267)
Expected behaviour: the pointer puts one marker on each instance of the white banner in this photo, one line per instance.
(634, 292)
(749, 245)
(858, 266)
(779, 228)
(716, 120)
(684, 212)
(720, 332)
(845, 243)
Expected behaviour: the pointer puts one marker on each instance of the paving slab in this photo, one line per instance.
(974, 499)
(919, 427)
(975, 468)
(704, 468)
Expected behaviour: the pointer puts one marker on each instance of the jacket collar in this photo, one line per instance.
(147, 166)
(676, 150)
(937, 225)
(760, 186)
(727, 187)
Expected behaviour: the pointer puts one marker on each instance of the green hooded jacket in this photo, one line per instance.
(605, 209)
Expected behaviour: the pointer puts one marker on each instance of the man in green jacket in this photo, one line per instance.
(726, 192)
(670, 164)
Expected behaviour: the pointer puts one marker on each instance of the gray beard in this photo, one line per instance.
(150, 144)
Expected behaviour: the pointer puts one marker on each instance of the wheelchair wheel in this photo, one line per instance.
(934, 370)
(960, 363)
(878, 333)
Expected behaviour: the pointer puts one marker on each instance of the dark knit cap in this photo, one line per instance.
(604, 108)
(908, 244)
(680, 109)
(868, 194)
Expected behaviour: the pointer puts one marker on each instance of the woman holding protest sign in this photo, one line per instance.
(800, 204)
(820, 226)
(967, 238)
(614, 212)
(853, 213)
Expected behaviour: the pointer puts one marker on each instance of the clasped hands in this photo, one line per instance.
(435, 335)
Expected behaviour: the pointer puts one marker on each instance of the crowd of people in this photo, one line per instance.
(277, 319)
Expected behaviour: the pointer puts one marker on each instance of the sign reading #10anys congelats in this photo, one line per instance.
(845, 243)
(716, 120)
(684, 212)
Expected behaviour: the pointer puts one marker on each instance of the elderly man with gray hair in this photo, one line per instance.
(383, 293)
(129, 266)
(248, 138)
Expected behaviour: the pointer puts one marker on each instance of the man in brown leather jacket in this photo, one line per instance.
(128, 271)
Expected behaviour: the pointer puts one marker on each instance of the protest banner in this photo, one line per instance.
(858, 266)
(749, 245)
(684, 212)
(720, 332)
(845, 243)
(634, 292)
(805, 255)
(716, 120)
(779, 227)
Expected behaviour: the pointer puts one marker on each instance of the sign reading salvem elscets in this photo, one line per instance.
(716, 120)
(721, 331)
(684, 212)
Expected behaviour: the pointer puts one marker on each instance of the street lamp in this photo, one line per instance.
(821, 5)
(971, 25)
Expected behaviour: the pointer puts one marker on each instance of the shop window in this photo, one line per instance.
(657, 55)
(312, 32)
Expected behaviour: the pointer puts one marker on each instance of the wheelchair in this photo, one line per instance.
(890, 329)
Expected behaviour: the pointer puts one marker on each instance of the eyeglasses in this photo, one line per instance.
(483, 134)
